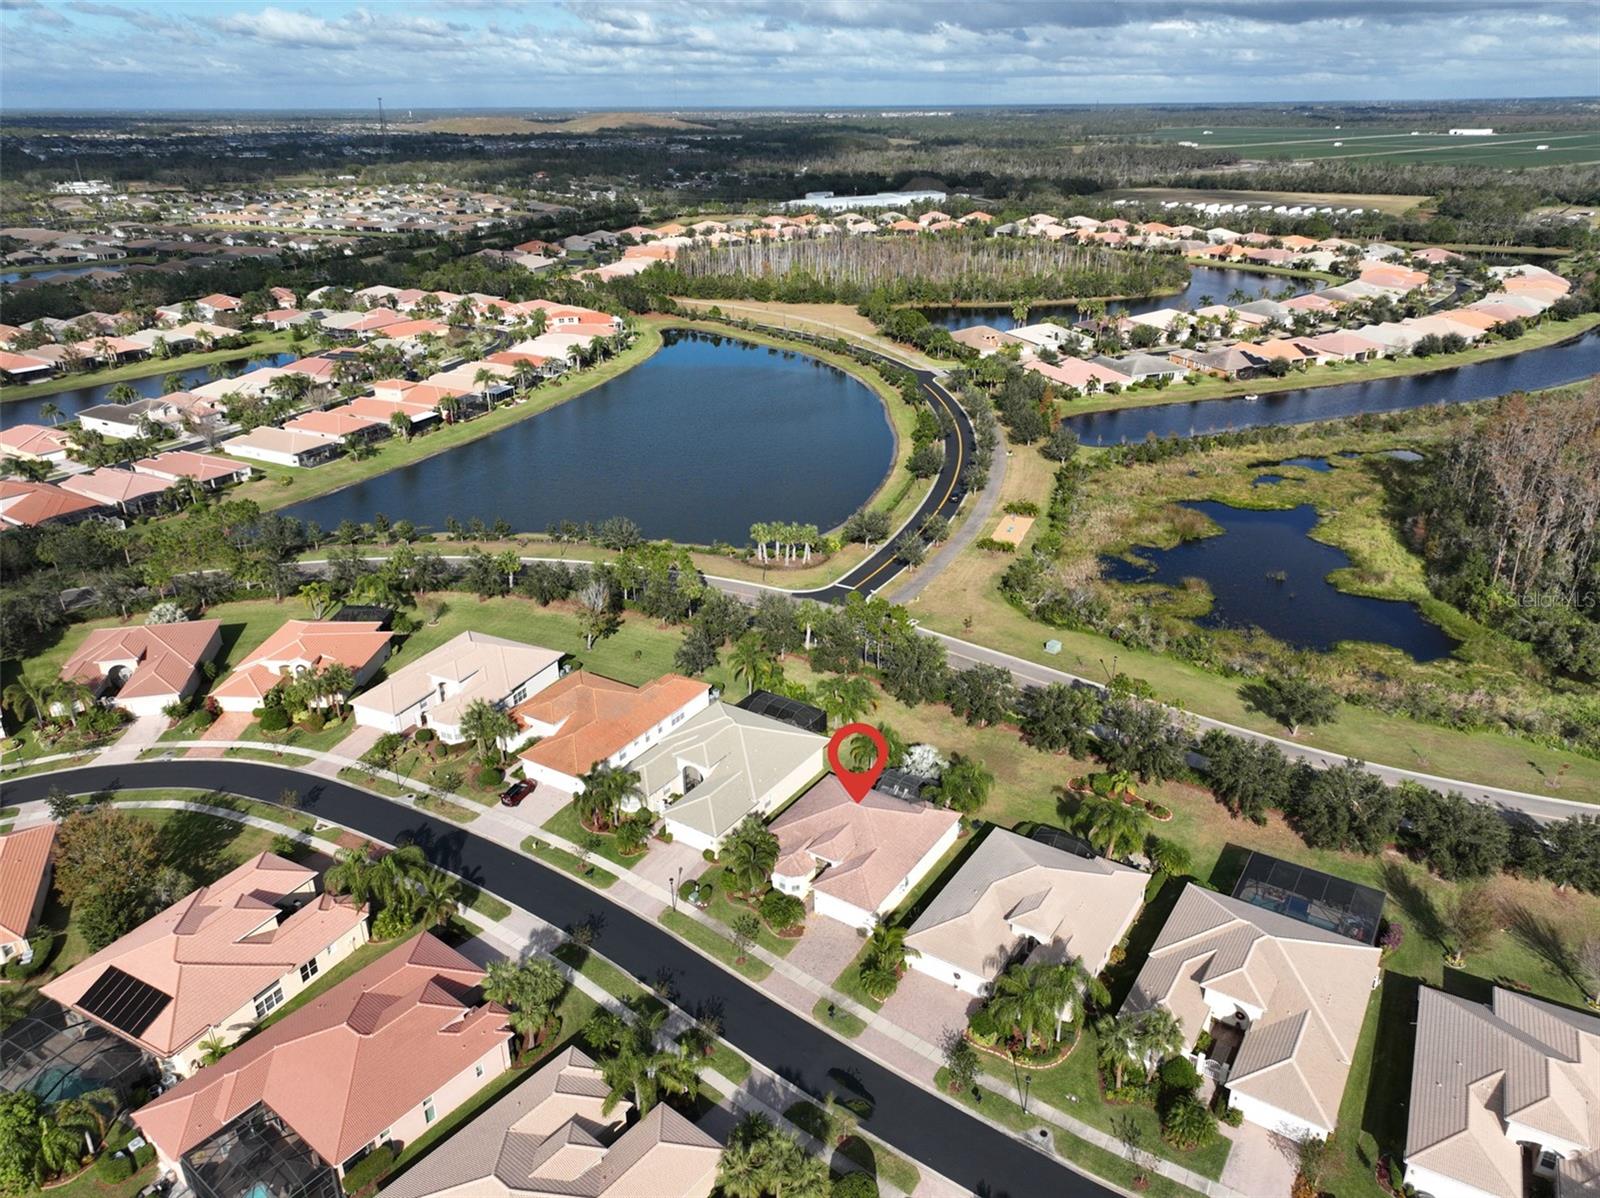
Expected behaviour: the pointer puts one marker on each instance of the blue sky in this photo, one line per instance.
(684, 53)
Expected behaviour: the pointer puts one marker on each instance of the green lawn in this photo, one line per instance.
(848, 983)
(1073, 1087)
(725, 910)
(864, 1152)
(90, 1184)
(1090, 1157)
(564, 860)
(720, 947)
(841, 1021)
(566, 824)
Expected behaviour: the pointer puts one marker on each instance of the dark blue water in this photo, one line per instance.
(1304, 610)
(1552, 366)
(25, 410)
(705, 438)
(1207, 285)
(1320, 465)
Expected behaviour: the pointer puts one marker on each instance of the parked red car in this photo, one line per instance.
(516, 792)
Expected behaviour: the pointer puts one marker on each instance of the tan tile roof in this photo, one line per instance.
(1011, 886)
(481, 666)
(23, 858)
(311, 643)
(1477, 1066)
(1312, 985)
(167, 656)
(180, 463)
(110, 485)
(349, 1063)
(341, 421)
(216, 948)
(33, 440)
(549, 1137)
(864, 849)
(599, 715)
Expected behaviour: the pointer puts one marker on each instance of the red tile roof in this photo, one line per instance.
(167, 656)
(343, 1068)
(598, 716)
(23, 858)
(313, 643)
(25, 504)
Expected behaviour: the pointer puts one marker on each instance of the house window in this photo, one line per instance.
(269, 1000)
(518, 695)
(477, 1071)
(308, 970)
(676, 720)
(427, 1110)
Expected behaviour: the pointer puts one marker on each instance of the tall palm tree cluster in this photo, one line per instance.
(884, 961)
(789, 542)
(530, 990)
(1033, 1003)
(325, 688)
(606, 789)
(762, 1162)
(1135, 1043)
(401, 884)
(636, 1065)
(63, 704)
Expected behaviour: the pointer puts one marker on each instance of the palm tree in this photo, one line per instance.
(1118, 1043)
(640, 1071)
(605, 789)
(122, 393)
(212, 1049)
(845, 699)
(1157, 1036)
(438, 898)
(89, 1113)
(486, 379)
(1166, 856)
(487, 727)
(1019, 1000)
(1112, 826)
(749, 854)
(885, 960)
(743, 1170)
(838, 1121)
(400, 425)
(752, 660)
(530, 990)
(964, 785)
(525, 375)
(398, 875)
(353, 874)
(50, 412)
(23, 695)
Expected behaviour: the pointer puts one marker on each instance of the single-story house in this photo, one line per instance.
(125, 490)
(25, 368)
(302, 645)
(24, 883)
(553, 1136)
(144, 667)
(986, 339)
(216, 962)
(283, 446)
(434, 690)
(1228, 363)
(35, 443)
(26, 504)
(1284, 995)
(721, 765)
(1076, 373)
(1139, 367)
(374, 1061)
(1273, 348)
(857, 861)
(1313, 302)
(341, 423)
(209, 470)
(122, 421)
(586, 719)
(1340, 346)
(1499, 1091)
(1466, 319)
(1016, 897)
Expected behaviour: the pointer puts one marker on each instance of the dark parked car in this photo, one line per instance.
(516, 792)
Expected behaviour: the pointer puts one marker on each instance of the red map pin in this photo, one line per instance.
(857, 782)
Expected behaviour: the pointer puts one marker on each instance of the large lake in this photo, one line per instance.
(695, 444)
(1265, 571)
(1207, 285)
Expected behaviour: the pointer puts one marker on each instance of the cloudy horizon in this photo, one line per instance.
(190, 55)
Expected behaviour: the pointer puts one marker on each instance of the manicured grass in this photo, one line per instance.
(729, 1063)
(864, 1152)
(260, 343)
(484, 903)
(841, 1021)
(319, 741)
(1073, 1087)
(603, 973)
(848, 983)
(1548, 333)
(285, 485)
(720, 947)
(1089, 1157)
(564, 860)
(725, 910)
(566, 824)
(286, 754)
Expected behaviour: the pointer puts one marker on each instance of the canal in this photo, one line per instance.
(1553, 366)
(28, 409)
(704, 438)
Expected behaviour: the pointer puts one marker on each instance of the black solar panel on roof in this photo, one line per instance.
(124, 1002)
(786, 710)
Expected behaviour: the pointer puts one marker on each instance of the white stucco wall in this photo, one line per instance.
(1434, 1185)
(1275, 1120)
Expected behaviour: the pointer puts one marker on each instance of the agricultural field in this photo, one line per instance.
(1517, 149)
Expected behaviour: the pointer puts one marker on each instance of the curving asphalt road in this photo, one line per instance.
(904, 1115)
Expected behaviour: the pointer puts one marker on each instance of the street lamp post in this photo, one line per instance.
(1027, 1087)
(673, 890)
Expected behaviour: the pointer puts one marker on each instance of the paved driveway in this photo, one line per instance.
(826, 948)
(927, 1007)
(1261, 1163)
(230, 725)
(140, 735)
